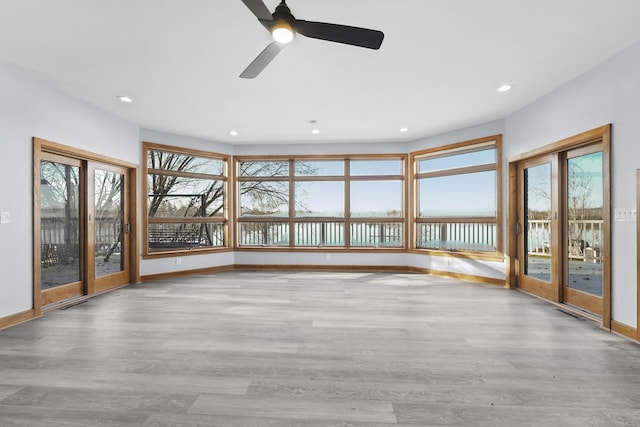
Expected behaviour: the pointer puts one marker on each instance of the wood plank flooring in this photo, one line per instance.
(248, 349)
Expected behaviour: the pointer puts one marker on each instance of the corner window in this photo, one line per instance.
(456, 197)
(186, 200)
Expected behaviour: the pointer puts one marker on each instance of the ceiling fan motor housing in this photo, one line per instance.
(283, 14)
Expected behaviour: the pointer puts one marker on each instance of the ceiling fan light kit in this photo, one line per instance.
(282, 33)
(283, 26)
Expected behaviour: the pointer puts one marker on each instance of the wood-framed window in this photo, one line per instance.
(186, 209)
(456, 202)
(352, 202)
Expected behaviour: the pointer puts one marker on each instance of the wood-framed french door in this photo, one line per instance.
(109, 225)
(60, 210)
(560, 248)
(85, 239)
(585, 243)
(537, 236)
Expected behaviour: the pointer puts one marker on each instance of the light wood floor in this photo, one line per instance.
(242, 349)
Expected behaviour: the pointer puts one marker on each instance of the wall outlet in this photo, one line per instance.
(5, 217)
(178, 261)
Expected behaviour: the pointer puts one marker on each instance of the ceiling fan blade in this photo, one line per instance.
(258, 8)
(262, 60)
(355, 36)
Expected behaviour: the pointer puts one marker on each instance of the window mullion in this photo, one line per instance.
(347, 203)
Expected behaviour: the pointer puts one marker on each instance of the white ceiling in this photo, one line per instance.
(437, 70)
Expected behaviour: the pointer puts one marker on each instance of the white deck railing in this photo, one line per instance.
(583, 234)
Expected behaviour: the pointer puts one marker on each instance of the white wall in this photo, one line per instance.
(322, 259)
(320, 149)
(149, 135)
(186, 263)
(472, 267)
(29, 108)
(495, 127)
(610, 93)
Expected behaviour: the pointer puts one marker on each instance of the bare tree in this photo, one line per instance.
(59, 191)
(162, 186)
(579, 207)
(183, 189)
(265, 196)
(538, 193)
(579, 185)
(108, 191)
(109, 221)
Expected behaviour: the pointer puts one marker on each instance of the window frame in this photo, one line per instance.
(291, 219)
(416, 175)
(223, 220)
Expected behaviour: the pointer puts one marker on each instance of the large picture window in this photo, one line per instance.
(186, 204)
(334, 202)
(456, 197)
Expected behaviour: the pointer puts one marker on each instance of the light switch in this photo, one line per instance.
(5, 217)
(624, 215)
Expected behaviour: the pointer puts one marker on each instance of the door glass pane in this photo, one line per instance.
(108, 222)
(584, 223)
(59, 224)
(537, 200)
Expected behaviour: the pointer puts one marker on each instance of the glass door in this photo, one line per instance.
(61, 229)
(563, 218)
(82, 240)
(538, 216)
(109, 223)
(563, 228)
(583, 229)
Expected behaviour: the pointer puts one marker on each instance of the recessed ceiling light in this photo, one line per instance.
(403, 130)
(315, 131)
(233, 133)
(125, 99)
(504, 88)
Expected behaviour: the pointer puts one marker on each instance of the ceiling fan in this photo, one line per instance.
(283, 25)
